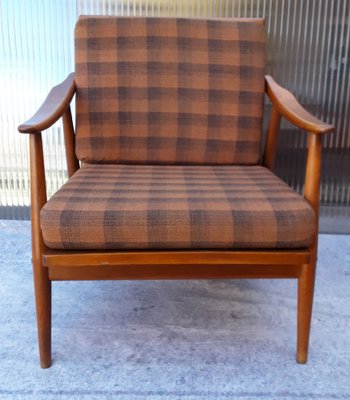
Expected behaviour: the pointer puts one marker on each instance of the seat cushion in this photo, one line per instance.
(169, 90)
(176, 207)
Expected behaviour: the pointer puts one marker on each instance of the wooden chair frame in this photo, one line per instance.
(51, 265)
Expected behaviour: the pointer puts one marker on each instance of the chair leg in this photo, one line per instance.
(42, 287)
(306, 285)
(42, 284)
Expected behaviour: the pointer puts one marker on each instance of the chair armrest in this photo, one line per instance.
(289, 107)
(52, 109)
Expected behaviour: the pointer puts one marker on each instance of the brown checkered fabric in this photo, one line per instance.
(176, 207)
(169, 90)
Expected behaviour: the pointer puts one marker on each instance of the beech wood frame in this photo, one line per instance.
(51, 265)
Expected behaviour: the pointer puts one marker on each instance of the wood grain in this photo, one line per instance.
(170, 272)
(289, 107)
(52, 109)
(271, 139)
(306, 282)
(97, 259)
(42, 284)
(69, 142)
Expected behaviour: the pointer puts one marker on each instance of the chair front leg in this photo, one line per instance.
(306, 280)
(42, 288)
(306, 283)
(42, 284)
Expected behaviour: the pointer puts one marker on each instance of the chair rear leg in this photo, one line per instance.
(42, 288)
(306, 285)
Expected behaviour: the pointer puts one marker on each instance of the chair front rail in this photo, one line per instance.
(191, 257)
(170, 272)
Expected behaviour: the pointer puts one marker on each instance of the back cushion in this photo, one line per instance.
(169, 90)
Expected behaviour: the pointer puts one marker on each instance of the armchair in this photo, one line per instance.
(172, 183)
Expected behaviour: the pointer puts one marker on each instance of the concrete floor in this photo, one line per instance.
(174, 340)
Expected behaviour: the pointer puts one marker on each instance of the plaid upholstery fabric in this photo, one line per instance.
(169, 91)
(176, 207)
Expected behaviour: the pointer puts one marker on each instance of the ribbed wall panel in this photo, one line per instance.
(36, 52)
(307, 51)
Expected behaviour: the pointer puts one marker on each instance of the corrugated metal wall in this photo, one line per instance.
(308, 52)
